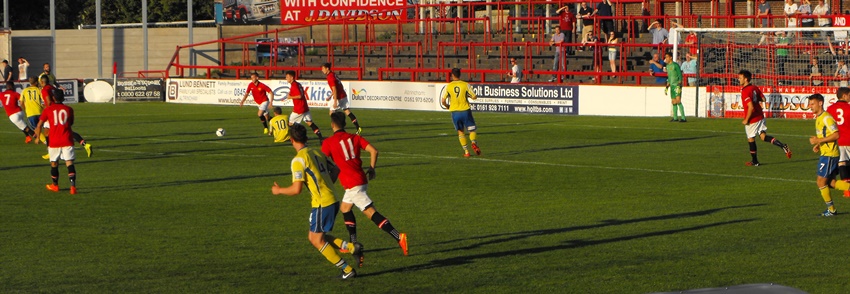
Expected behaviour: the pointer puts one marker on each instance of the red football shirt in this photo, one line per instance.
(45, 94)
(345, 148)
(333, 81)
(692, 38)
(61, 118)
(259, 92)
(299, 106)
(10, 102)
(840, 111)
(753, 94)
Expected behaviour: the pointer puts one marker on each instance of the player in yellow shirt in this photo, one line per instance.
(825, 143)
(33, 104)
(311, 169)
(456, 100)
(279, 127)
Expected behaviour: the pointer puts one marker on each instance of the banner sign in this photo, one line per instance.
(393, 95)
(524, 98)
(230, 92)
(780, 102)
(71, 91)
(139, 90)
(247, 12)
(352, 11)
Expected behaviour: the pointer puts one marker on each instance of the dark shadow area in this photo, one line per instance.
(603, 145)
(182, 183)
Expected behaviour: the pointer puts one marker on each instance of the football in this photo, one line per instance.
(219, 132)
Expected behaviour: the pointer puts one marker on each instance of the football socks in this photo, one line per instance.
(334, 258)
(316, 130)
(463, 142)
(681, 111)
(347, 247)
(841, 185)
(263, 120)
(385, 225)
(353, 119)
(72, 175)
(350, 224)
(675, 112)
(78, 138)
(824, 192)
(773, 141)
(753, 152)
(473, 136)
(54, 174)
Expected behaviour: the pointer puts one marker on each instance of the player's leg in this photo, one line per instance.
(19, 121)
(843, 168)
(348, 216)
(473, 134)
(753, 151)
(263, 114)
(321, 221)
(458, 120)
(384, 224)
(54, 154)
(82, 142)
(353, 119)
(770, 139)
(680, 106)
(826, 170)
(309, 119)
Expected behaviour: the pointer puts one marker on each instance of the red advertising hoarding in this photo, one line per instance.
(314, 11)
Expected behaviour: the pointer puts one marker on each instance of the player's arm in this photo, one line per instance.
(293, 97)
(561, 9)
(271, 96)
(38, 129)
(470, 94)
(749, 112)
(245, 96)
(292, 190)
(444, 99)
(373, 161)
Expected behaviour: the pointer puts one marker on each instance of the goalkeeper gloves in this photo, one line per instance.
(370, 173)
(666, 89)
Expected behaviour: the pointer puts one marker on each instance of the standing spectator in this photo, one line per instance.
(841, 73)
(822, 10)
(782, 42)
(644, 11)
(764, 13)
(691, 41)
(815, 74)
(659, 35)
(604, 9)
(586, 16)
(565, 21)
(23, 64)
(805, 11)
(516, 72)
(50, 78)
(8, 73)
(556, 41)
(612, 51)
(656, 68)
(790, 11)
(689, 67)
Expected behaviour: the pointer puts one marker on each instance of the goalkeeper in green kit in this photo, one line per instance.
(674, 86)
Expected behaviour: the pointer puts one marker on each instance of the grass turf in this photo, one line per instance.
(554, 204)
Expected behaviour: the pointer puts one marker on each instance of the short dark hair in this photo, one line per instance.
(327, 65)
(278, 110)
(255, 74)
(5, 61)
(10, 85)
(842, 91)
(290, 73)
(668, 53)
(747, 74)
(58, 95)
(298, 133)
(456, 72)
(338, 118)
(816, 96)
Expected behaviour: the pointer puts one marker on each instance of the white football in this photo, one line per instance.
(219, 132)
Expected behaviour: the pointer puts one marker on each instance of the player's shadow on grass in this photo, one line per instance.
(182, 183)
(180, 121)
(606, 144)
(570, 244)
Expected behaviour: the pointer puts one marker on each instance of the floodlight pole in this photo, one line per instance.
(99, 40)
(53, 36)
(145, 32)
(5, 13)
(191, 49)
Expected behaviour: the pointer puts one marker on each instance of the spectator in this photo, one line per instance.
(516, 72)
(691, 42)
(805, 13)
(7, 72)
(644, 11)
(612, 51)
(556, 41)
(659, 35)
(604, 9)
(841, 73)
(689, 66)
(782, 42)
(656, 68)
(586, 16)
(566, 19)
(816, 74)
(590, 38)
(764, 13)
(790, 11)
(822, 10)
(23, 64)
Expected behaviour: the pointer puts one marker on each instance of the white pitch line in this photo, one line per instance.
(605, 167)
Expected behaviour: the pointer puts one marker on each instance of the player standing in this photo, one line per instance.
(263, 96)
(674, 84)
(339, 98)
(279, 126)
(344, 148)
(310, 169)
(825, 142)
(456, 100)
(300, 109)
(48, 92)
(754, 118)
(60, 145)
(12, 105)
(840, 111)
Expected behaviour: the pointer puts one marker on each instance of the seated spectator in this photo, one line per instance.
(656, 68)
(689, 66)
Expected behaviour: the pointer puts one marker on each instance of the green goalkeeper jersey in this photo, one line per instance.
(674, 74)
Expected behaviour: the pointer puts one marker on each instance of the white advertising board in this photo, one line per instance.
(394, 95)
(230, 92)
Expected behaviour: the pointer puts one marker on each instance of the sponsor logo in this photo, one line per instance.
(358, 95)
(172, 90)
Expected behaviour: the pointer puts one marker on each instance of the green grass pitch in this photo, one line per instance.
(555, 204)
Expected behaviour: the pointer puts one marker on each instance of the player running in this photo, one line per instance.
(754, 118)
(48, 93)
(33, 102)
(12, 105)
(60, 145)
(279, 126)
(456, 100)
(674, 84)
(263, 96)
(310, 169)
(344, 148)
(300, 109)
(339, 98)
(825, 142)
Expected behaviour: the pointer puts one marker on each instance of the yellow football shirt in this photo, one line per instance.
(279, 128)
(459, 94)
(824, 127)
(31, 97)
(311, 167)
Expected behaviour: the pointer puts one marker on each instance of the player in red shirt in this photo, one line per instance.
(339, 98)
(60, 143)
(12, 105)
(300, 109)
(48, 91)
(261, 93)
(754, 117)
(344, 148)
(840, 111)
